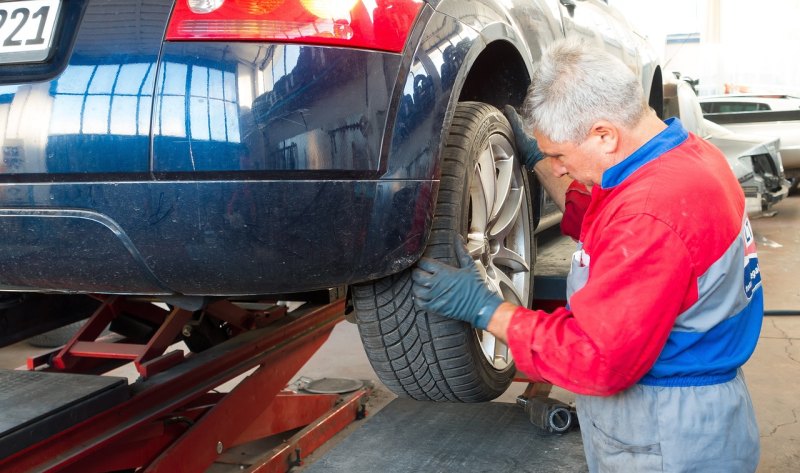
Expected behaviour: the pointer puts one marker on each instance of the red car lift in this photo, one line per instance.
(171, 419)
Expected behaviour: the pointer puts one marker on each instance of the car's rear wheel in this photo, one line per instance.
(484, 195)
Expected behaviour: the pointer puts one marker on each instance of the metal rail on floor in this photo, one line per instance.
(174, 420)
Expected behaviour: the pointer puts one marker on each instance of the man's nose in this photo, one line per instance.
(558, 168)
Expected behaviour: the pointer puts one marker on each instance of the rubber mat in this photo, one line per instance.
(35, 405)
(411, 437)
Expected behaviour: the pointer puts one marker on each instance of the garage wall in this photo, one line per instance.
(745, 44)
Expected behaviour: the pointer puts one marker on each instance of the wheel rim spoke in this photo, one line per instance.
(493, 280)
(508, 216)
(486, 177)
(510, 259)
(502, 354)
(504, 165)
(482, 269)
(479, 209)
(505, 285)
(475, 245)
(496, 349)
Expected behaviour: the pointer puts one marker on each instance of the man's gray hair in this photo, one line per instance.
(576, 84)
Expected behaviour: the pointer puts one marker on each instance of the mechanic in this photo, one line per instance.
(664, 298)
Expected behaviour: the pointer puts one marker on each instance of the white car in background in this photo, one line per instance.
(755, 160)
(737, 103)
(761, 115)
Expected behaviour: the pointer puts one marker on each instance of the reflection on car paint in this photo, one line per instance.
(95, 116)
(429, 82)
(276, 108)
(82, 90)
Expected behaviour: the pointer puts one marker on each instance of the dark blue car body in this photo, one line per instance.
(136, 165)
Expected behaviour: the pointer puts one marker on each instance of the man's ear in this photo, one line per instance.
(606, 135)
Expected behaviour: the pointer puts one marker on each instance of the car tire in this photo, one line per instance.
(426, 356)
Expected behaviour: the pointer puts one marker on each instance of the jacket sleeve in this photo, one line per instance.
(575, 204)
(640, 279)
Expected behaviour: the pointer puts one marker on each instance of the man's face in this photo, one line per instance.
(582, 162)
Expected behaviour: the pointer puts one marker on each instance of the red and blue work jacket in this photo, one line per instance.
(665, 287)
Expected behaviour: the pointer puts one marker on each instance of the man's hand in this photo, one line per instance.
(528, 149)
(459, 293)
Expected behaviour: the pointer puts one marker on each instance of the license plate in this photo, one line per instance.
(26, 29)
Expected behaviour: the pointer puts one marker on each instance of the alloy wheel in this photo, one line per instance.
(499, 237)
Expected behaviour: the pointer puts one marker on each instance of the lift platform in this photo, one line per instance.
(172, 418)
(411, 436)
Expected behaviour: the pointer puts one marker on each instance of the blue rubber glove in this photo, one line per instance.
(459, 293)
(527, 147)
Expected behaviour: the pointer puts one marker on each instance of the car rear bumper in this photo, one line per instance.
(209, 237)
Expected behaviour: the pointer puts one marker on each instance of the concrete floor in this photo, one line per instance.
(773, 373)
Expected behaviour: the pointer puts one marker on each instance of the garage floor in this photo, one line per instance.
(773, 373)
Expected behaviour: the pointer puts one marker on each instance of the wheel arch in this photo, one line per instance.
(498, 76)
(457, 63)
(495, 72)
(449, 57)
(496, 69)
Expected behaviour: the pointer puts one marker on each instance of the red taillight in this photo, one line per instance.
(370, 24)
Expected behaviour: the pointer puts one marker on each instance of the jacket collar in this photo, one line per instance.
(667, 139)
